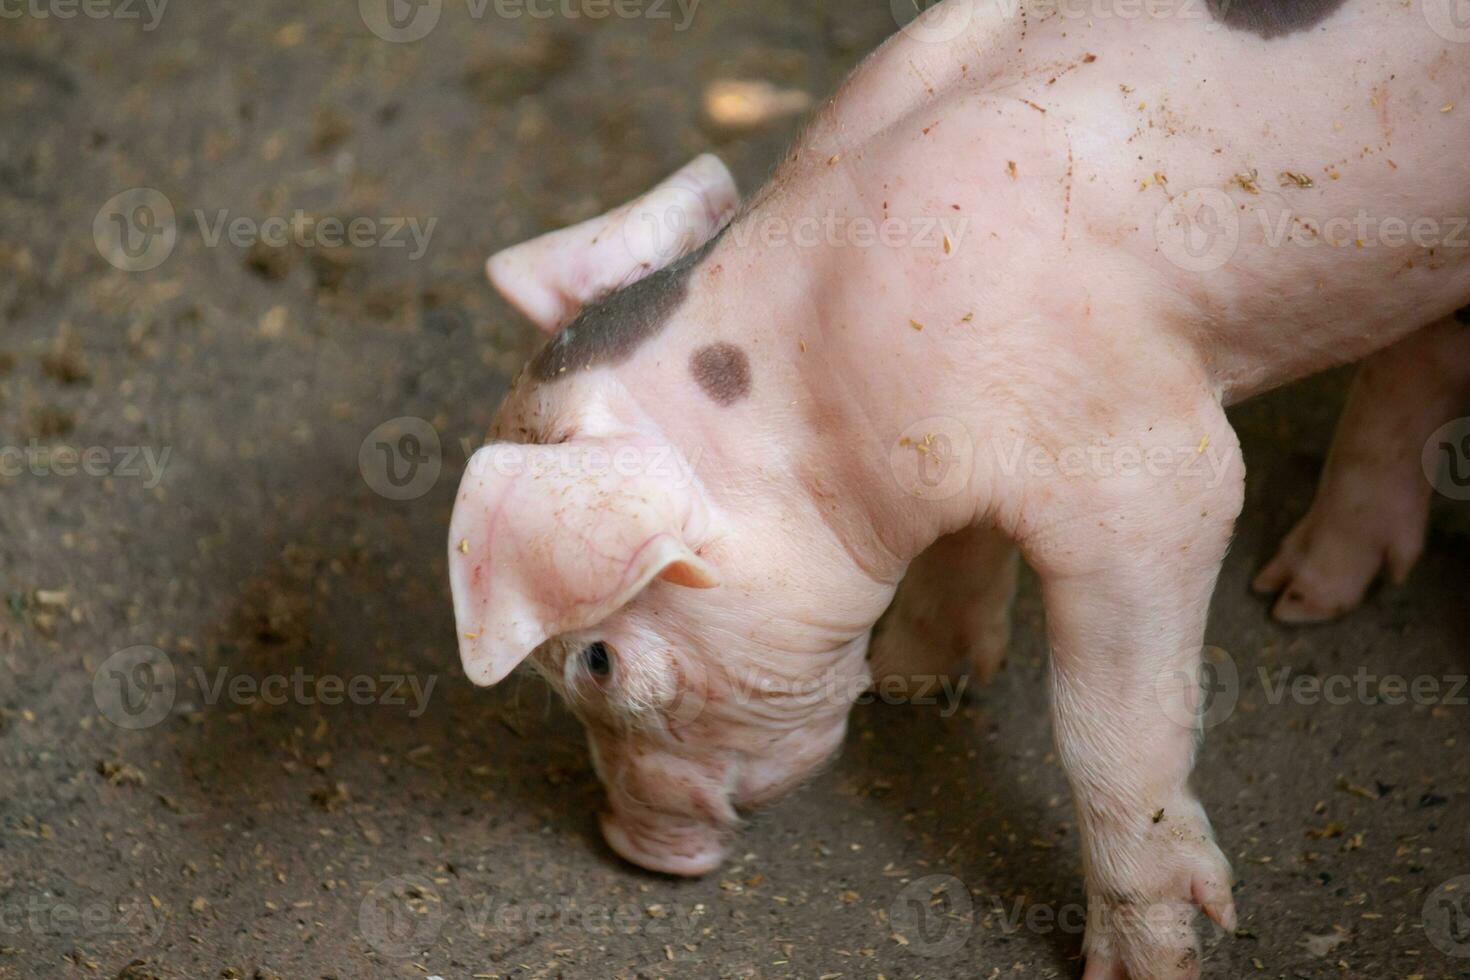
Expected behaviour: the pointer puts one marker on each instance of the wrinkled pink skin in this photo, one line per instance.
(1056, 320)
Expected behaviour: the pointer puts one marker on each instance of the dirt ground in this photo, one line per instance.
(229, 543)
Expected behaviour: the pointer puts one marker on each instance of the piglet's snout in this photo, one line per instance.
(665, 842)
(666, 813)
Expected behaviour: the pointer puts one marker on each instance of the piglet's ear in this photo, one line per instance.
(551, 277)
(548, 540)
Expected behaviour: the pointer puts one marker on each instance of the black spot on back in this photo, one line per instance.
(1272, 18)
(1462, 315)
(723, 371)
(610, 330)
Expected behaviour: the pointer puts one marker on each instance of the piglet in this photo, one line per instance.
(995, 300)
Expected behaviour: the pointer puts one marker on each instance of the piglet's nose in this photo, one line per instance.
(664, 843)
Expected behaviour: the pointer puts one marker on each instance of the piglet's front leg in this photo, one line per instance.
(1128, 563)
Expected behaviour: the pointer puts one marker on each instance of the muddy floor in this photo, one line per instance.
(234, 736)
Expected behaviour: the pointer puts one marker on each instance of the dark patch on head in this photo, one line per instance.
(1272, 18)
(608, 331)
(1463, 315)
(723, 371)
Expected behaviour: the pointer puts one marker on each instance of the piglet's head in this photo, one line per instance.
(584, 557)
(584, 542)
(552, 540)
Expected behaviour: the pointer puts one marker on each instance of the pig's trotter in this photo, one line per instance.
(1371, 507)
(1127, 568)
(951, 616)
(1148, 934)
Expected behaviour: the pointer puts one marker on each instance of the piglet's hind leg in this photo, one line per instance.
(951, 616)
(1372, 504)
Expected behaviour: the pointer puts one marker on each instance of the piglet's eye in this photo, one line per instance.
(598, 659)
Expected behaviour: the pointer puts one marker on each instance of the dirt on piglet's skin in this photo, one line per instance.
(264, 817)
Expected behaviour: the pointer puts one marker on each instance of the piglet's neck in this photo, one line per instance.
(776, 393)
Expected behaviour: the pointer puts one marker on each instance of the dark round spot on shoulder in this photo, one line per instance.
(1272, 18)
(723, 371)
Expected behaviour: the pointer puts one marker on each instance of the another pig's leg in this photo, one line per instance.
(951, 615)
(1127, 566)
(1373, 502)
